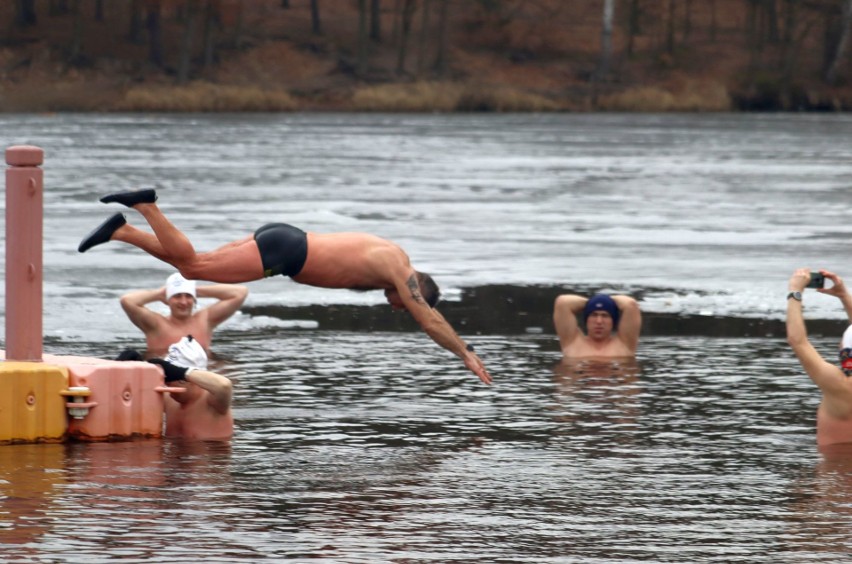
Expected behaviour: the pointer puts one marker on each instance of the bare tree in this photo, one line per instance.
(362, 37)
(634, 14)
(316, 25)
(713, 20)
(424, 36)
(186, 43)
(155, 32)
(670, 28)
(25, 14)
(443, 34)
(134, 33)
(606, 38)
(408, 8)
(58, 8)
(212, 22)
(76, 46)
(376, 20)
(842, 45)
(99, 10)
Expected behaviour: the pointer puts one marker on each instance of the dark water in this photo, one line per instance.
(374, 445)
(702, 450)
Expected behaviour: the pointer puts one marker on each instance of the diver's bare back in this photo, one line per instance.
(358, 261)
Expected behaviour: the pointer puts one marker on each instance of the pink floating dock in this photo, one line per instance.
(47, 398)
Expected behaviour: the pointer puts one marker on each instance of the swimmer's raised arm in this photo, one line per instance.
(565, 311)
(630, 324)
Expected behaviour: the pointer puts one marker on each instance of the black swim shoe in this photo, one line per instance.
(102, 232)
(130, 199)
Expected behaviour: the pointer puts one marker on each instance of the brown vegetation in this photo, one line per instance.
(424, 55)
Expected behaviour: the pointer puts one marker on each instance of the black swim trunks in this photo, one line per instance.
(283, 249)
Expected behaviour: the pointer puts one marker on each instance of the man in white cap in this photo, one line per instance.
(612, 324)
(203, 409)
(199, 404)
(834, 415)
(181, 296)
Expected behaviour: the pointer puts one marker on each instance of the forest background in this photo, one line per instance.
(425, 55)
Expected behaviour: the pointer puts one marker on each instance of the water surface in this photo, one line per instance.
(375, 445)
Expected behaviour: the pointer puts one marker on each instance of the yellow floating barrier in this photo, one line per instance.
(32, 408)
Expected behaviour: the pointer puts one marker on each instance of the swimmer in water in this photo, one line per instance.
(613, 324)
(834, 415)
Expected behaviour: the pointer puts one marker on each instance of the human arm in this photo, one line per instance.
(565, 311)
(434, 324)
(133, 303)
(219, 388)
(838, 290)
(630, 322)
(828, 377)
(230, 297)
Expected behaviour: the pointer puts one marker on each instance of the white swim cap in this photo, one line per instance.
(177, 284)
(846, 343)
(188, 353)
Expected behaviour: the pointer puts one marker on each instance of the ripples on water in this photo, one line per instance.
(702, 450)
(371, 447)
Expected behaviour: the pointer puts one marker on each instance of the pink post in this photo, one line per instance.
(24, 226)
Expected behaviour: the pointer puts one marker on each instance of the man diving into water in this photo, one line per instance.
(357, 261)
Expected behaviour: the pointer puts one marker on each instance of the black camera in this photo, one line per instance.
(817, 280)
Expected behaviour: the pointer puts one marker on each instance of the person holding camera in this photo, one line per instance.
(612, 325)
(834, 415)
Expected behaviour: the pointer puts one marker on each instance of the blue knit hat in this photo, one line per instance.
(602, 302)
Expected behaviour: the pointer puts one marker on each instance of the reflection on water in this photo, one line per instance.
(363, 448)
(598, 396)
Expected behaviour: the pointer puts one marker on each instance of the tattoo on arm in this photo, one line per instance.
(414, 288)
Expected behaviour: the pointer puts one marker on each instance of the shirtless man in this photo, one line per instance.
(356, 261)
(603, 315)
(199, 404)
(180, 295)
(834, 415)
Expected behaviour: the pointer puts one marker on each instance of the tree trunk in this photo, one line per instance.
(842, 45)
(771, 14)
(376, 20)
(58, 7)
(185, 56)
(424, 37)
(606, 39)
(397, 16)
(237, 34)
(26, 13)
(76, 46)
(155, 32)
(634, 13)
(443, 34)
(361, 65)
(713, 21)
(134, 34)
(99, 10)
(211, 24)
(407, 13)
(316, 25)
(670, 29)
(285, 4)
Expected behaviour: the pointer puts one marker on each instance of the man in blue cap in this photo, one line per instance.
(612, 324)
